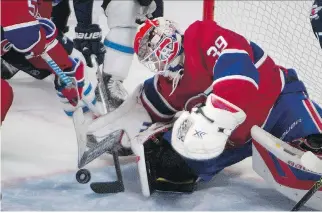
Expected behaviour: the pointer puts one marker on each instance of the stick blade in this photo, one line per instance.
(107, 187)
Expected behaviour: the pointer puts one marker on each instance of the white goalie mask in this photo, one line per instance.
(158, 45)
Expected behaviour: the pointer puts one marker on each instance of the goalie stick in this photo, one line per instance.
(313, 163)
(308, 195)
(114, 186)
(85, 157)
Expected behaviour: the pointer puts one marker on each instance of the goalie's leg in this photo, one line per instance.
(296, 119)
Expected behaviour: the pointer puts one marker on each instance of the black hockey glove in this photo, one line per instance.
(88, 41)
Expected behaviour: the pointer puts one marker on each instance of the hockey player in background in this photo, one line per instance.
(122, 18)
(215, 86)
(14, 61)
(40, 41)
(316, 19)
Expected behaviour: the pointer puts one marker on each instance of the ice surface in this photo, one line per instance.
(228, 191)
(39, 155)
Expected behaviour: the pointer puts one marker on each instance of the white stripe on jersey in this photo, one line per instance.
(21, 25)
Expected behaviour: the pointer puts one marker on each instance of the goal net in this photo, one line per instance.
(283, 30)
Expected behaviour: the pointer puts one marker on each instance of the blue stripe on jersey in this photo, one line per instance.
(119, 47)
(257, 51)
(235, 64)
(154, 97)
(24, 37)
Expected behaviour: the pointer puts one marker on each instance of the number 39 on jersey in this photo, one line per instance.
(219, 46)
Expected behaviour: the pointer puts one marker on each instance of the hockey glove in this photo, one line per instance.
(203, 133)
(88, 42)
(84, 93)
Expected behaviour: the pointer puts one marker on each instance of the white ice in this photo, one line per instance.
(39, 156)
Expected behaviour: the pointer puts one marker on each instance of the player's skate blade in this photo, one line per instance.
(107, 187)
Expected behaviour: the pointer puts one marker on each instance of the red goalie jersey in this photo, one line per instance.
(220, 61)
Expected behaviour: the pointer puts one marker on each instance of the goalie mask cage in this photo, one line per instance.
(282, 28)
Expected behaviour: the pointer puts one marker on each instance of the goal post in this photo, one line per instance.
(281, 27)
(208, 9)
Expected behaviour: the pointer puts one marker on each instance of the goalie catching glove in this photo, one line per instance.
(203, 133)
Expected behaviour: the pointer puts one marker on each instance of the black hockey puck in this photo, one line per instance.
(83, 176)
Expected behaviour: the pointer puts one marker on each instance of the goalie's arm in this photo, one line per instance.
(154, 103)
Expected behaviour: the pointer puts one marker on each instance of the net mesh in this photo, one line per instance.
(283, 30)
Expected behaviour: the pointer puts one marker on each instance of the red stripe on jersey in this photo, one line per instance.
(217, 103)
(313, 114)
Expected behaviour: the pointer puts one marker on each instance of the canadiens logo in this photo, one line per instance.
(168, 49)
(314, 12)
